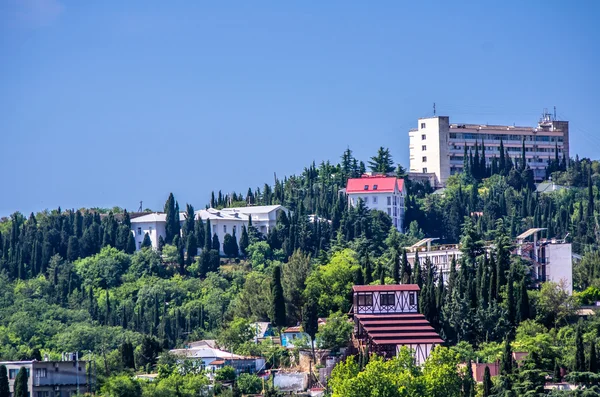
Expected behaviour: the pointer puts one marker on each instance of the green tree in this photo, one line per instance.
(147, 243)
(127, 356)
(244, 241)
(121, 386)
(225, 374)
(21, 387)
(237, 333)
(579, 351)
(249, 383)
(172, 219)
(216, 245)
(487, 382)
(230, 247)
(294, 275)
(310, 322)
(441, 375)
(382, 162)
(4, 386)
(593, 361)
(278, 318)
(335, 333)
(506, 366)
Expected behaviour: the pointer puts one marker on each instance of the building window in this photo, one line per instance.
(424, 170)
(374, 187)
(388, 299)
(411, 298)
(389, 200)
(366, 200)
(224, 229)
(374, 200)
(234, 229)
(41, 373)
(139, 231)
(366, 187)
(12, 373)
(423, 137)
(389, 211)
(424, 147)
(150, 229)
(364, 300)
(423, 125)
(424, 159)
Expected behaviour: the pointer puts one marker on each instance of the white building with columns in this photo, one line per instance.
(379, 192)
(224, 221)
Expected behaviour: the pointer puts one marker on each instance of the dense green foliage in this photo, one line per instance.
(72, 280)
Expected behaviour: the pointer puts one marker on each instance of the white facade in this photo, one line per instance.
(222, 222)
(386, 194)
(437, 146)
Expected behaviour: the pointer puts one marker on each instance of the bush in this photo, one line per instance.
(249, 384)
(225, 374)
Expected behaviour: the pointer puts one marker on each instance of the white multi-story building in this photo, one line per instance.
(437, 146)
(379, 192)
(548, 259)
(222, 222)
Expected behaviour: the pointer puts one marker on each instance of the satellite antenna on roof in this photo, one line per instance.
(140, 209)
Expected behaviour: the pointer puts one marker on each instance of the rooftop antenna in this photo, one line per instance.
(140, 209)
(434, 108)
(554, 113)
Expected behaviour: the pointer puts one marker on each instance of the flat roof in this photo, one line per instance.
(529, 232)
(422, 242)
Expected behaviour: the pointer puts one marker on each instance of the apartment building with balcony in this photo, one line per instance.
(437, 146)
(52, 378)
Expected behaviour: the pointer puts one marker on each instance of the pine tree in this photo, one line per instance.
(21, 384)
(4, 385)
(382, 162)
(277, 300)
(487, 382)
(593, 362)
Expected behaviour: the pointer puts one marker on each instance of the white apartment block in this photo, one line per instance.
(548, 259)
(222, 222)
(379, 192)
(437, 146)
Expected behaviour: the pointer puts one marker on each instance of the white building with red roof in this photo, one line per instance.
(379, 192)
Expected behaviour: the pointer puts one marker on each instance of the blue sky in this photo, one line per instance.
(109, 103)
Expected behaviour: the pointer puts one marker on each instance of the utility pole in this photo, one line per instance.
(434, 109)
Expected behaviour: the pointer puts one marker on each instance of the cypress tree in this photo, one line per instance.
(487, 381)
(73, 249)
(208, 236)
(406, 271)
(468, 382)
(557, 377)
(590, 203)
(510, 300)
(593, 363)
(172, 218)
(506, 366)
(416, 274)
(579, 353)
(161, 244)
(396, 267)
(310, 322)
(244, 241)
(523, 305)
(4, 386)
(147, 243)
(216, 244)
(502, 159)
(21, 387)
(107, 320)
(277, 301)
(359, 278)
(191, 248)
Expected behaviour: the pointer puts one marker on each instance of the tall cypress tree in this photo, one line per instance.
(244, 241)
(216, 244)
(579, 352)
(487, 382)
(208, 236)
(4, 386)
(510, 300)
(21, 386)
(468, 382)
(593, 362)
(147, 243)
(406, 272)
(277, 301)
(506, 366)
(395, 266)
(523, 304)
(172, 217)
(310, 322)
(416, 274)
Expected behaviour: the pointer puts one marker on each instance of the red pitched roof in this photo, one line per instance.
(386, 288)
(374, 184)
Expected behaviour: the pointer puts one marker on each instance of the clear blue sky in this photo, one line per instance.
(105, 103)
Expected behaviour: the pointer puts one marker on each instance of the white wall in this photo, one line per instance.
(379, 201)
(401, 303)
(435, 130)
(154, 230)
(559, 264)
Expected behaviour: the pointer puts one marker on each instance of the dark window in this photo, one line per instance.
(374, 187)
(388, 300)
(366, 187)
(139, 231)
(422, 125)
(411, 298)
(365, 300)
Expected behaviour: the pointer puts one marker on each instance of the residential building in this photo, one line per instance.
(386, 318)
(549, 259)
(291, 335)
(437, 146)
(549, 187)
(262, 330)
(379, 192)
(224, 221)
(51, 378)
(212, 359)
